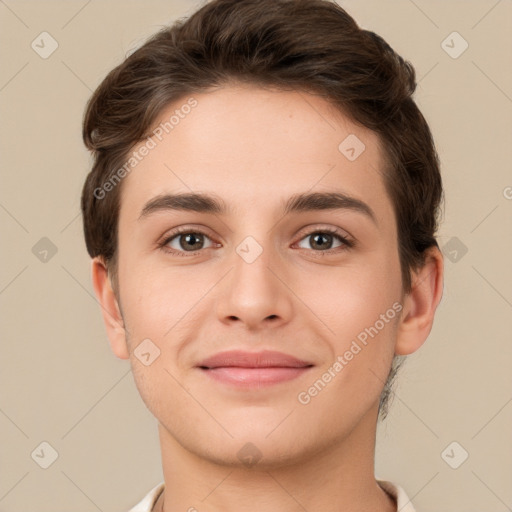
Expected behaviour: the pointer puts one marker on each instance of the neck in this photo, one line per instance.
(338, 477)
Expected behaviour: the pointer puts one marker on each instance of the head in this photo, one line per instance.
(254, 102)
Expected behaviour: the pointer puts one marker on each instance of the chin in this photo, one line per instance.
(255, 455)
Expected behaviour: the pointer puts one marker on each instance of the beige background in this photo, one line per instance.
(61, 384)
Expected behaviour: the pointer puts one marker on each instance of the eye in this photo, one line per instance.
(322, 240)
(189, 242)
(185, 242)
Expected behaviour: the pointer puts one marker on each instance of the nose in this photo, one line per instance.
(254, 292)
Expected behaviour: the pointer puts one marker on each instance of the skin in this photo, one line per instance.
(254, 148)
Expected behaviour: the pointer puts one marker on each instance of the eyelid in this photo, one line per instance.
(325, 228)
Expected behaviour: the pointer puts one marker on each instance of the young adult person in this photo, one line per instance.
(261, 216)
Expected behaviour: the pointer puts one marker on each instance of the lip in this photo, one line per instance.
(253, 369)
(243, 359)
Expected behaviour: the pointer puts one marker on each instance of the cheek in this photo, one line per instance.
(363, 314)
(155, 298)
(350, 299)
(360, 305)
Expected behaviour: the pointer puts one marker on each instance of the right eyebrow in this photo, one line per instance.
(193, 202)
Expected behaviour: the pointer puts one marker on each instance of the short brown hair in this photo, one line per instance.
(306, 45)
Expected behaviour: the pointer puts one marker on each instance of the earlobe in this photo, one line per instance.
(112, 317)
(420, 304)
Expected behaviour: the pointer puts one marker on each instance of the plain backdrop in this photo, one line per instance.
(60, 383)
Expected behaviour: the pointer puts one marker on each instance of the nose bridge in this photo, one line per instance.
(253, 293)
(252, 277)
(254, 244)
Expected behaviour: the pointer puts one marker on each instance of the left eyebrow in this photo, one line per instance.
(207, 203)
(327, 201)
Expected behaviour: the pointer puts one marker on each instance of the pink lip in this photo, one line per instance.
(263, 359)
(253, 369)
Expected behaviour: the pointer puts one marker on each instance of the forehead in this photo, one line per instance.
(254, 147)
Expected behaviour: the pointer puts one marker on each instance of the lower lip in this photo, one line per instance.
(254, 377)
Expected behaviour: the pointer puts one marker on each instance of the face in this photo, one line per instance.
(318, 281)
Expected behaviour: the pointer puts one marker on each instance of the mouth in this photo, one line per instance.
(253, 369)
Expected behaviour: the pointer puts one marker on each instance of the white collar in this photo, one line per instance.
(403, 503)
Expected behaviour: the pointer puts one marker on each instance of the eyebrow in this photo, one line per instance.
(207, 203)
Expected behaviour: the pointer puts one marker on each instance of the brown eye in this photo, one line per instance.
(322, 240)
(192, 241)
(186, 241)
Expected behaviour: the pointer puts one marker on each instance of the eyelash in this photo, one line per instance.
(348, 244)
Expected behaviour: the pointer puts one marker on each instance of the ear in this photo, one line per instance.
(419, 305)
(110, 309)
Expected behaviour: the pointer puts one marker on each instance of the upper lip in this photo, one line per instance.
(263, 359)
